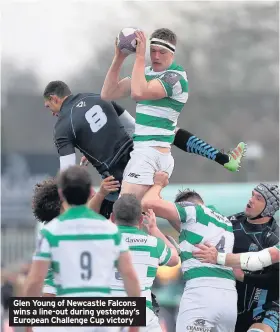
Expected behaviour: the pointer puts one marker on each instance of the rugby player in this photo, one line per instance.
(161, 92)
(206, 284)
(148, 251)
(75, 187)
(256, 229)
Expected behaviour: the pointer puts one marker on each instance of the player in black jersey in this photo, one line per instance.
(100, 130)
(258, 292)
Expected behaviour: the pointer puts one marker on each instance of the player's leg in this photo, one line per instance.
(138, 190)
(227, 311)
(194, 311)
(261, 328)
(152, 322)
(266, 321)
(139, 172)
(188, 142)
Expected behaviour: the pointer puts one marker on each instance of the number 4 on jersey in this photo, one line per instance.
(96, 118)
(221, 245)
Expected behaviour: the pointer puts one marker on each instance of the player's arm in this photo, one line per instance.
(39, 268)
(49, 289)
(140, 88)
(251, 261)
(108, 185)
(65, 149)
(167, 252)
(126, 269)
(163, 209)
(125, 118)
(113, 87)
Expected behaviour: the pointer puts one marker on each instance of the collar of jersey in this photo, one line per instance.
(67, 101)
(257, 227)
(79, 211)
(212, 207)
(130, 229)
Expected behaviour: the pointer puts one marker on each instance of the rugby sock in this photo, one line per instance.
(188, 142)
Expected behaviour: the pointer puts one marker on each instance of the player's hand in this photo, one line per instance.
(239, 274)
(206, 254)
(84, 161)
(151, 220)
(140, 43)
(119, 55)
(161, 179)
(109, 185)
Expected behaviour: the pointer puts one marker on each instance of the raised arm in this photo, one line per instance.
(163, 209)
(113, 87)
(108, 185)
(140, 88)
(169, 253)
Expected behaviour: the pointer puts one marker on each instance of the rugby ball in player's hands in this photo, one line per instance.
(126, 40)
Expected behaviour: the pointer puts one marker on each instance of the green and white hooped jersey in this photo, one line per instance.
(148, 253)
(156, 120)
(200, 224)
(49, 286)
(74, 244)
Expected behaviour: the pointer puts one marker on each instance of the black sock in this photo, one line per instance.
(188, 142)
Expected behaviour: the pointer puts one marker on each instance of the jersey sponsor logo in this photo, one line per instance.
(134, 175)
(171, 78)
(253, 247)
(199, 325)
(133, 240)
(81, 104)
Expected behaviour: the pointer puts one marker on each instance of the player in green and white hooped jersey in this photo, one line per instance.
(206, 284)
(47, 205)
(160, 91)
(84, 233)
(250, 261)
(148, 251)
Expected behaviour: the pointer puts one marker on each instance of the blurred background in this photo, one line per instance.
(230, 51)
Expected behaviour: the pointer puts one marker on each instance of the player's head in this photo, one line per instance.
(188, 197)
(127, 211)
(264, 201)
(75, 185)
(46, 203)
(54, 95)
(162, 48)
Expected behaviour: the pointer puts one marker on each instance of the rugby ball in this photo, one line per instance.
(126, 40)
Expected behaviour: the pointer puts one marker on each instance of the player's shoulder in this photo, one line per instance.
(50, 227)
(177, 69)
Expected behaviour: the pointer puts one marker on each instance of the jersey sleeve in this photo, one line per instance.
(120, 243)
(174, 83)
(126, 120)
(118, 108)
(164, 252)
(63, 140)
(43, 249)
(49, 286)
